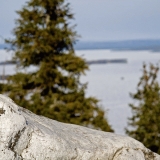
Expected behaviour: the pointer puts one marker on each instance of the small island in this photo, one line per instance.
(106, 61)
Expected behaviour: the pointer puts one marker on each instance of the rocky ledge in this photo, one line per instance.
(26, 136)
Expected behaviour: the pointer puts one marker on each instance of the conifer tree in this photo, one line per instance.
(145, 122)
(47, 81)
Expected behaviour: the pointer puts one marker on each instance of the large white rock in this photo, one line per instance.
(24, 135)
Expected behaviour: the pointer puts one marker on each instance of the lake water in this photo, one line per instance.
(110, 83)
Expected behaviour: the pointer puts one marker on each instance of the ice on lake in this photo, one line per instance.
(110, 83)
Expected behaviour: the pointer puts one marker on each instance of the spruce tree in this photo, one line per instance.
(145, 122)
(47, 81)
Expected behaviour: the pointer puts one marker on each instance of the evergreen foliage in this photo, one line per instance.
(145, 121)
(44, 40)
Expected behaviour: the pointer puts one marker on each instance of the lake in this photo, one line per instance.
(110, 83)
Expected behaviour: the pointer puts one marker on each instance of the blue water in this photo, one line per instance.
(110, 83)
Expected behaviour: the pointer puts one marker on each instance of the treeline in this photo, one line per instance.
(134, 45)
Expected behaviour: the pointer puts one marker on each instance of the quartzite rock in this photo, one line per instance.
(24, 135)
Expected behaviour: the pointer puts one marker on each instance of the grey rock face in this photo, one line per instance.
(26, 136)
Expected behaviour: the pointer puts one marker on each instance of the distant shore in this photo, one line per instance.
(106, 61)
(135, 45)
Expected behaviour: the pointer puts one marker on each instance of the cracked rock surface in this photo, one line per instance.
(26, 136)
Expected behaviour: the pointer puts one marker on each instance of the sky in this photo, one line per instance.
(100, 20)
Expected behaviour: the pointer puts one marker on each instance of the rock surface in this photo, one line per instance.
(26, 136)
